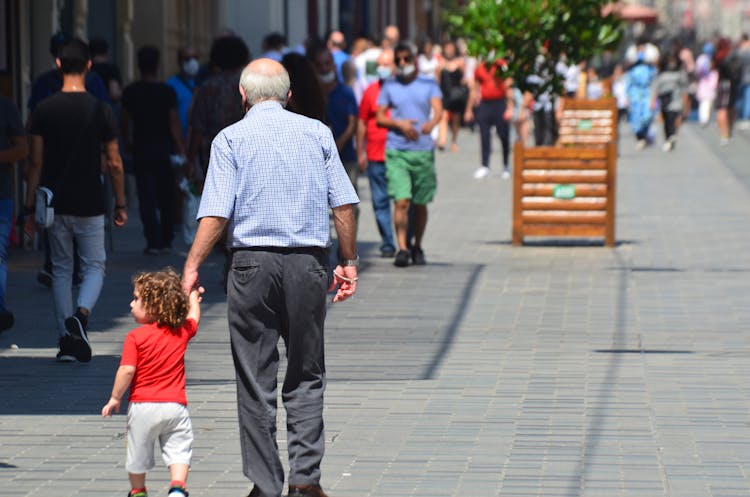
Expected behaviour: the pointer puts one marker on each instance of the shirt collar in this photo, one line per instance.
(266, 104)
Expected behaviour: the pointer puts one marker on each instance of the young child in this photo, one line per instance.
(153, 366)
(669, 95)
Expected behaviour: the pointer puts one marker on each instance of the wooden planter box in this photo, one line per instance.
(564, 192)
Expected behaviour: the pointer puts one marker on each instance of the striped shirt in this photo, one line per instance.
(273, 175)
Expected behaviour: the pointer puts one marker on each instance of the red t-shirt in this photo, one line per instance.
(158, 354)
(375, 135)
(492, 81)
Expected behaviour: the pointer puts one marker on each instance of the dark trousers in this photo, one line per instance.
(489, 114)
(670, 123)
(274, 293)
(545, 128)
(156, 201)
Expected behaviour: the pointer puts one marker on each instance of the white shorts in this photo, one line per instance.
(167, 422)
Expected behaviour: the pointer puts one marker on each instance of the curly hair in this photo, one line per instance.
(162, 296)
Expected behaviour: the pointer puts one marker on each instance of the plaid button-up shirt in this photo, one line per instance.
(273, 175)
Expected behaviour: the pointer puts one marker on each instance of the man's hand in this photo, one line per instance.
(427, 127)
(121, 217)
(406, 126)
(362, 161)
(345, 278)
(190, 281)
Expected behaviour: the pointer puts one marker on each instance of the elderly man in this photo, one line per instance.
(271, 178)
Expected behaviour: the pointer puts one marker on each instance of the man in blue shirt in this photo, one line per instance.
(271, 179)
(416, 106)
(341, 111)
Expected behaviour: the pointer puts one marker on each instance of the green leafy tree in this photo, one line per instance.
(533, 35)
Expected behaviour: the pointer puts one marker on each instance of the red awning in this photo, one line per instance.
(631, 12)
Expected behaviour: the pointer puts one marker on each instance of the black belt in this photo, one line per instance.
(316, 251)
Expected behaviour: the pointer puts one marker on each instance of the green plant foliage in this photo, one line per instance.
(519, 31)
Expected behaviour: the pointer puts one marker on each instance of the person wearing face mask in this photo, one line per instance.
(183, 84)
(416, 108)
(371, 153)
(341, 110)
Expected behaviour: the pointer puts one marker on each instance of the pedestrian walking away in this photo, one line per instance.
(68, 131)
(153, 368)
(271, 180)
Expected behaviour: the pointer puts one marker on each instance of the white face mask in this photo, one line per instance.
(328, 77)
(191, 66)
(406, 71)
(384, 72)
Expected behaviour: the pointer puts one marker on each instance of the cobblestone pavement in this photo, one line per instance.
(553, 369)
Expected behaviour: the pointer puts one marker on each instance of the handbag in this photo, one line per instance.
(44, 213)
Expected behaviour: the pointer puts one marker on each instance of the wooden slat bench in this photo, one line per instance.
(587, 122)
(564, 192)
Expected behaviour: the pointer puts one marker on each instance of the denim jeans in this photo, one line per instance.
(381, 204)
(88, 232)
(743, 110)
(6, 220)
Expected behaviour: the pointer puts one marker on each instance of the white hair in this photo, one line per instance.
(260, 85)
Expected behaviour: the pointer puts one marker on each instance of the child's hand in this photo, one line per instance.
(196, 295)
(112, 406)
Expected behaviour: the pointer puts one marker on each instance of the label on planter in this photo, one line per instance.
(585, 124)
(564, 191)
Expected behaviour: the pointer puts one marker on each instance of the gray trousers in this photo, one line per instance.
(272, 293)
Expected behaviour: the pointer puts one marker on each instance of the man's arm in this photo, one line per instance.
(437, 112)
(361, 151)
(404, 126)
(18, 150)
(351, 126)
(117, 174)
(345, 277)
(209, 231)
(175, 129)
(33, 172)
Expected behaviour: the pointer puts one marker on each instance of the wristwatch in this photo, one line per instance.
(350, 262)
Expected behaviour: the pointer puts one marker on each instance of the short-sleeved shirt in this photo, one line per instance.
(341, 105)
(491, 81)
(148, 103)
(409, 101)
(50, 82)
(184, 88)
(158, 355)
(375, 135)
(10, 127)
(274, 175)
(73, 126)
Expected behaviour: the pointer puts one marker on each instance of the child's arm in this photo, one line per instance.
(122, 382)
(194, 302)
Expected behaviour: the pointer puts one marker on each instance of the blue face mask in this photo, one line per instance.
(384, 72)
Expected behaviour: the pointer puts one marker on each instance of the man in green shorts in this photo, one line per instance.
(415, 105)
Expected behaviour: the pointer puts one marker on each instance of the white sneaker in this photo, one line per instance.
(640, 144)
(481, 172)
(723, 141)
(506, 173)
(667, 146)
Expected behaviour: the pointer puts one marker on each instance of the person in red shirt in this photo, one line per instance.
(371, 157)
(153, 367)
(489, 94)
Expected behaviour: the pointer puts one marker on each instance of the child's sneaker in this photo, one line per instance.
(138, 493)
(177, 491)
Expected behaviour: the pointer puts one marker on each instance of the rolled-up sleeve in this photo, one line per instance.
(220, 188)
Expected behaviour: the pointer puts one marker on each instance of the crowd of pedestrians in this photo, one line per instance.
(276, 145)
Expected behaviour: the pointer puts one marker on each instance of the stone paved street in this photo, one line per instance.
(554, 369)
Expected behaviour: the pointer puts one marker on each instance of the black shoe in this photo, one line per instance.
(417, 256)
(6, 320)
(44, 277)
(402, 259)
(65, 352)
(387, 253)
(80, 346)
(306, 491)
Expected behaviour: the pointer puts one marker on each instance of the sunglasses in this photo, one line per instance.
(408, 58)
